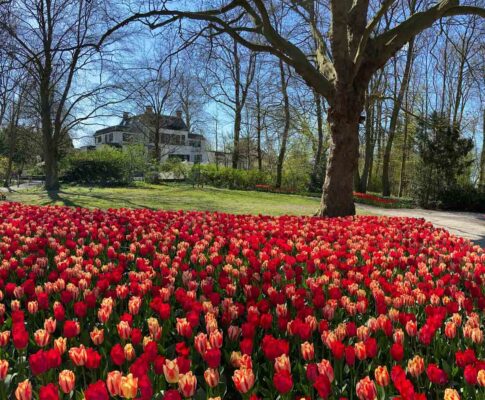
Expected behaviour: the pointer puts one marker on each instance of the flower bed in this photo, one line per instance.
(153, 304)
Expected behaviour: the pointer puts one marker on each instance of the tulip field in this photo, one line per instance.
(143, 304)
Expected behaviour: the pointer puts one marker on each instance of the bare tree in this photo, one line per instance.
(346, 61)
(229, 73)
(53, 41)
(284, 77)
(150, 83)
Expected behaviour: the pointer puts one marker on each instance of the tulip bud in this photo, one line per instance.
(366, 389)
(415, 366)
(451, 394)
(128, 386)
(187, 384)
(307, 351)
(382, 376)
(211, 377)
(67, 381)
(60, 344)
(41, 337)
(171, 371)
(97, 336)
(24, 390)
(129, 352)
(3, 369)
(113, 382)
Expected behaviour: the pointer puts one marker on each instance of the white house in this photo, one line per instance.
(175, 139)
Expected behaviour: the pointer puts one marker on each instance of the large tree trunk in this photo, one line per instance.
(343, 117)
(386, 185)
(316, 178)
(286, 128)
(51, 168)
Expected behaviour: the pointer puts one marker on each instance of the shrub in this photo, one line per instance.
(105, 166)
(226, 177)
(461, 198)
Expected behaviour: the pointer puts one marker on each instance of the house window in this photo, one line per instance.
(197, 158)
(168, 138)
(194, 143)
(182, 157)
(110, 138)
(99, 139)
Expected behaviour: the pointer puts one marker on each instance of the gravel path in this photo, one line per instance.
(465, 224)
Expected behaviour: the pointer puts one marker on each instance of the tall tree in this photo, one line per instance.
(53, 41)
(386, 184)
(284, 76)
(346, 60)
(229, 73)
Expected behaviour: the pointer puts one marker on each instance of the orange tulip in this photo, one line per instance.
(41, 337)
(78, 355)
(67, 381)
(481, 377)
(60, 344)
(97, 336)
(124, 330)
(129, 351)
(187, 384)
(211, 377)
(24, 391)
(113, 382)
(416, 366)
(171, 371)
(129, 386)
(243, 379)
(366, 389)
(382, 376)
(307, 351)
(282, 363)
(451, 394)
(3, 369)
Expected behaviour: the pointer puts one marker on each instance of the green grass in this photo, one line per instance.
(172, 197)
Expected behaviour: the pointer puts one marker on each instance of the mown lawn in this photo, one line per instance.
(172, 197)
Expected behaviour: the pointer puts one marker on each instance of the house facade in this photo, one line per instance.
(175, 139)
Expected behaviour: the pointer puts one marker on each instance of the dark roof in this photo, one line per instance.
(131, 124)
(166, 121)
(196, 136)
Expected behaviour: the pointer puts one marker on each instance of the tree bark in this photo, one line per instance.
(482, 158)
(237, 134)
(259, 128)
(316, 178)
(286, 128)
(343, 118)
(369, 146)
(386, 185)
(404, 156)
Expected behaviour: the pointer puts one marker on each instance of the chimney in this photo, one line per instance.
(148, 110)
(125, 116)
(179, 114)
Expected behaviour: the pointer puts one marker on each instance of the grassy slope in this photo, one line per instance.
(173, 197)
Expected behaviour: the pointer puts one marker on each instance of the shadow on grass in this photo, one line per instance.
(116, 201)
(55, 197)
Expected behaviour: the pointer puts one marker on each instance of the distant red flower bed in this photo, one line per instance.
(271, 188)
(169, 305)
(374, 198)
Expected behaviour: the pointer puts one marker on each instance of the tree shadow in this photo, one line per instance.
(55, 197)
(104, 198)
